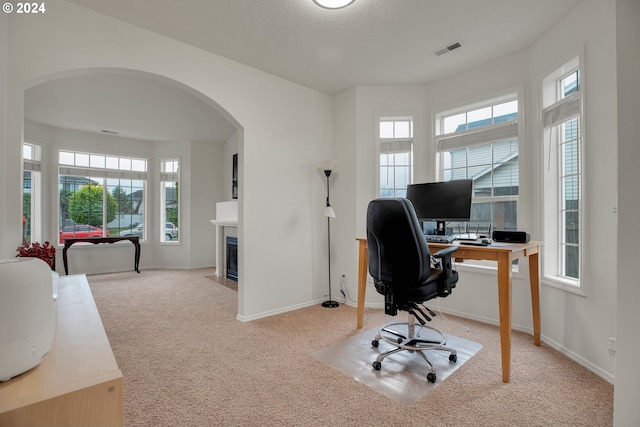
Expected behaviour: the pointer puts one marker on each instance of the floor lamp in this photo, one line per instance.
(328, 166)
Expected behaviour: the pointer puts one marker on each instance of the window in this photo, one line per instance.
(563, 126)
(396, 155)
(480, 142)
(101, 195)
(31, 193)
(169, 200)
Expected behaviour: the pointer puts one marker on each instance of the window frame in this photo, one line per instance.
(33, 165)
(394, 145)
(169, 177)
(495, 132)
(103, 173)
(551, 225)
(517, 126)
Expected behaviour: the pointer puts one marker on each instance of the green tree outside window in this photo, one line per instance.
(85, 206)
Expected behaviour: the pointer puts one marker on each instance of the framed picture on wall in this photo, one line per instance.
(234, 177)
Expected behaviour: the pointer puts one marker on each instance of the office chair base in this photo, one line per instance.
(412, 343)
(330, 304)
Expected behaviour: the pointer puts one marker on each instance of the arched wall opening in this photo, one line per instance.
(199, 157)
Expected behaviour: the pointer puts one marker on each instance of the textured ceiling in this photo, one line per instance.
(371, 42)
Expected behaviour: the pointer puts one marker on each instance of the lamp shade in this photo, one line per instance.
(328, 165)
(329, 212)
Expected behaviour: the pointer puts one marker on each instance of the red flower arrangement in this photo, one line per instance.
(46, 252)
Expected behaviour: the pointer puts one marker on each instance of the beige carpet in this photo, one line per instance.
(403, 374)
(187, 361)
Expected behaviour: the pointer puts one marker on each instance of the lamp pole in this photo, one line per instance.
(329, 213)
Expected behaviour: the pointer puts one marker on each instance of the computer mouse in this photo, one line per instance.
(486, 241)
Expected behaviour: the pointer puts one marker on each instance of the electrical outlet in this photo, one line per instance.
(612, 346)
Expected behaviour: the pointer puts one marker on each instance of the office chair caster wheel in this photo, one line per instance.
(377, 365)
(431, 377)
(453, 358)
(374, 343)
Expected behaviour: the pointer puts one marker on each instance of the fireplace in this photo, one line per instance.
(232, 258)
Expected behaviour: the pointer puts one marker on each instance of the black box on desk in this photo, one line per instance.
(511, 236)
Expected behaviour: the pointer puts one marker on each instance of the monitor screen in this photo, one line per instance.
(442, 201)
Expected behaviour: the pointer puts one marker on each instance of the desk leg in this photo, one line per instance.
(363, 265)
(504, 302)
(534, 281)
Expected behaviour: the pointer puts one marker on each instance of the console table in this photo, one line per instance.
(96, 240)
(504, 254)
(78, 383)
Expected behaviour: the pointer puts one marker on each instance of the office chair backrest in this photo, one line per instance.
(398, 251)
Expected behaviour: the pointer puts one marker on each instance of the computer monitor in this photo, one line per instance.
(442, 201)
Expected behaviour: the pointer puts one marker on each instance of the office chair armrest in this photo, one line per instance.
(446, 252)
(445, 256)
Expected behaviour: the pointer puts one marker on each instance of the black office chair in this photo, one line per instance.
(401, 267)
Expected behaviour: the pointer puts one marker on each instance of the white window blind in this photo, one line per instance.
(169, 176)
(102, 173)
(485, 135)
(392, 147)
(32, 165)
(566, 109)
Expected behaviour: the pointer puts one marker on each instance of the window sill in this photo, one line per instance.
(571, 286)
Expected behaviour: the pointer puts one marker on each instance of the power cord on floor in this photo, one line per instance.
(460, 325)
(344, 290)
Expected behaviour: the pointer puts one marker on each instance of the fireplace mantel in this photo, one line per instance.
(224, 223)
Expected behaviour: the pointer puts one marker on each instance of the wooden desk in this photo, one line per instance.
(504, 255)
(96, 240)
(78, 383)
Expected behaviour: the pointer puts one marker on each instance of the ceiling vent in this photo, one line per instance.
(448, 48)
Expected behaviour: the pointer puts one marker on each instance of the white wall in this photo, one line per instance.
(207, 168)
(578, 326)
(279, 142)
(4, 174)
(627, 389)
(344, 252)
(575, 323)
(356, 112)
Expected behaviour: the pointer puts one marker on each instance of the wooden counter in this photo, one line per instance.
(78, 382)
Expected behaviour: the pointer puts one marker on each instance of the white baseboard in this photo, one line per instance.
(278, 311)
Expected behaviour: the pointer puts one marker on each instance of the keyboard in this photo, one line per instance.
(466, 236)
(484, 242)
(436, 238)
